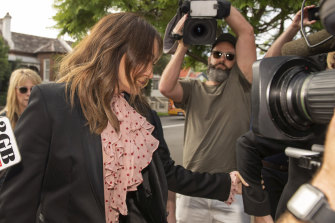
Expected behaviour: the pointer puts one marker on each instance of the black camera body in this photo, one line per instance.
(201, 25)
(327, 15)
(292, 99)
(313, 13)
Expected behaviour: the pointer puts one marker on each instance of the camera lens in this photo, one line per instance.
(300, 95)
(199, 30)
(293, 98)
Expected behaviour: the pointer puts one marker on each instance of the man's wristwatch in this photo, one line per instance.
(311, 205)
(177, 36)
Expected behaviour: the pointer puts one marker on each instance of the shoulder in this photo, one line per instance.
(240, 77)
(190, 82)
(236, 70)
(52, 87)
(51, 94)
(50, 90)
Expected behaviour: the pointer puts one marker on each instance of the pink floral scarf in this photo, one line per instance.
(125, 154)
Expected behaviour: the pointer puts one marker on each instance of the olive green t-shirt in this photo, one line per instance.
(215, 117)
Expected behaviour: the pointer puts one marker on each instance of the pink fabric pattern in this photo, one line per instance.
(125, 154)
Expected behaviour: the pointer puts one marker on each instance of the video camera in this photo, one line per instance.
(201, 25)
(293, 97)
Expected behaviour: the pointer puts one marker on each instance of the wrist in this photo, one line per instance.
(322, 182)
(295, 28)
(181, 47)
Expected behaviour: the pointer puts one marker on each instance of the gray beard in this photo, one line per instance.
(217, 75)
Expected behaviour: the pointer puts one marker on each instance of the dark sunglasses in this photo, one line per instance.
(24, 90)
(218, 54)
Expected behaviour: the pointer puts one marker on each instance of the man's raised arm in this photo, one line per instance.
(169, 85)
(245, 45)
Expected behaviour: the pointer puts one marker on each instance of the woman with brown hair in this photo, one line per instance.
(92, 149)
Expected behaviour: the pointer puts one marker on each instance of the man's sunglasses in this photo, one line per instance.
(218, 54)
(24, 90)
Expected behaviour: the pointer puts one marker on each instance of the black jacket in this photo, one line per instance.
(60, 178)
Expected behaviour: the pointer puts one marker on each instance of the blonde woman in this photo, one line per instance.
(20, 85)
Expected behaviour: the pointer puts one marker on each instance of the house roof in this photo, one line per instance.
(188, 73)
(36, 44)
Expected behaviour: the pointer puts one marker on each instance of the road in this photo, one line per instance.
(173, 127)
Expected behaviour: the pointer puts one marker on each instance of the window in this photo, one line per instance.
(155, 83)
(46, 69)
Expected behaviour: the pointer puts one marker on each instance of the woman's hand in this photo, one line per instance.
(236, 186)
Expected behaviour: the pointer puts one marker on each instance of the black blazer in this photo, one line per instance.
(60, 176)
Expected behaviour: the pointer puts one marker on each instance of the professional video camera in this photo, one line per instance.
(200, 27)
(292, 97)
(201, 24)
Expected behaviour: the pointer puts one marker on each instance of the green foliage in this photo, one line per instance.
(4, 65)
(4, 71)
(75, 18)
(161, 64)
(268, 17)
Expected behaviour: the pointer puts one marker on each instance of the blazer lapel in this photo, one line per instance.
(92, 150)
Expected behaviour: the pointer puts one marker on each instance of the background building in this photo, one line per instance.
(35, 52)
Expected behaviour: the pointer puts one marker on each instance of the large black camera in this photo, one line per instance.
(292, 98)
(201, 25)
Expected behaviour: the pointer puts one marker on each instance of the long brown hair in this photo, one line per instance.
(91, 69)
(18, 77)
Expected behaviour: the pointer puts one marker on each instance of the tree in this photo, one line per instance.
(75, 18)
(4, 70)
(268, 17)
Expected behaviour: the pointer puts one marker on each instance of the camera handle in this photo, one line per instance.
(307, 159)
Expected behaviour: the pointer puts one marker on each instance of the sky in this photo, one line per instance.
(32, 17)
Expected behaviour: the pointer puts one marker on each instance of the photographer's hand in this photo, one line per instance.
(289, 33)
(169, 85)
(296, 22)
(178, 30)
